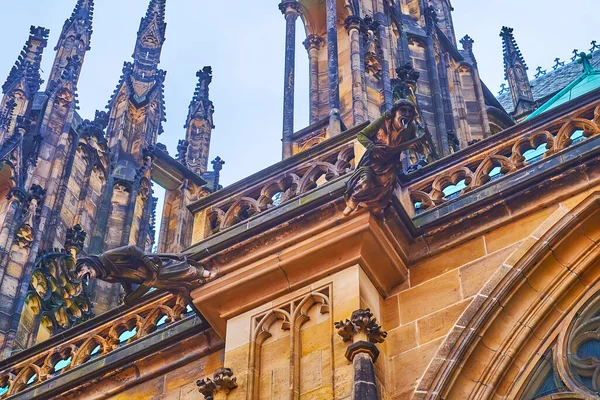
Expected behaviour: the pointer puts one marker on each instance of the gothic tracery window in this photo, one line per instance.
(571, 366)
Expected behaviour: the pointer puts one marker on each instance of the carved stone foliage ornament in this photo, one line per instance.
(130, 266)
(364, 331)
(54, 294)
(223, 381)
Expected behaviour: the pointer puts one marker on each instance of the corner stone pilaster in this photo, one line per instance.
(364, 332)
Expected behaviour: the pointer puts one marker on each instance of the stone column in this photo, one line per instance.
(362, 330)
(313, 44)
(382, 33)
(335, 123)
(359, 106)
(291, 10)
(436, 92)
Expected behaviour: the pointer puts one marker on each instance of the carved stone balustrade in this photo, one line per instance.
(276, 185)
(46, 367)
(523, 147)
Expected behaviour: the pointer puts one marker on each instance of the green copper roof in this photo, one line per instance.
(585, 83)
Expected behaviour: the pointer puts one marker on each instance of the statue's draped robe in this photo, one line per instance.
(374, 180)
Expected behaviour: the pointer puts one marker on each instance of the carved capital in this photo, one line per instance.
(353, 22)
(313, 42)
(364, 331)
(290, 7)
(223, 380)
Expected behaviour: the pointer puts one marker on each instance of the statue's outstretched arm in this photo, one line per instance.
(365, 137)
(132, 298)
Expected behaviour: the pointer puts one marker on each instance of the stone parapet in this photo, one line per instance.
(95, 346)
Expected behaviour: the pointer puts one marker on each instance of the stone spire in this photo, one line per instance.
(24, 77)
(136, 111)
(150, 39)
(199, 124)
(142, 85)
(515, 71)
(26, 71)
(74, 40)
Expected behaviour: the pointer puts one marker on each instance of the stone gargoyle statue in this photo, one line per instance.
(139, 272)
(372, 184)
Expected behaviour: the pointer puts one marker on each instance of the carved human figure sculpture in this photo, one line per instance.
(130, 266)
(372, 184)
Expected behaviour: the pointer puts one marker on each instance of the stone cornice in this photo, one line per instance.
(311, 247)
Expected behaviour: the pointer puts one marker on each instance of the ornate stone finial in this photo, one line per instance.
(97, 126)
(217, 164)
(313, 42)
(290, 7)
(101, 119)
(467, 43)
(71, 71)
(223, 380)
(182, 149)
(75, 239)
(539, 72)
(558, 63)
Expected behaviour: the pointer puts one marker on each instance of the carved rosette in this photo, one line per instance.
(362, 329)
(223, 381)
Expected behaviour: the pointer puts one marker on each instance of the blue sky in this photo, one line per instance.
(244, 43)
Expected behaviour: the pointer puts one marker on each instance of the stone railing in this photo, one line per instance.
(442, 181)
(503, 154)
(88, 341)
(279, 183)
